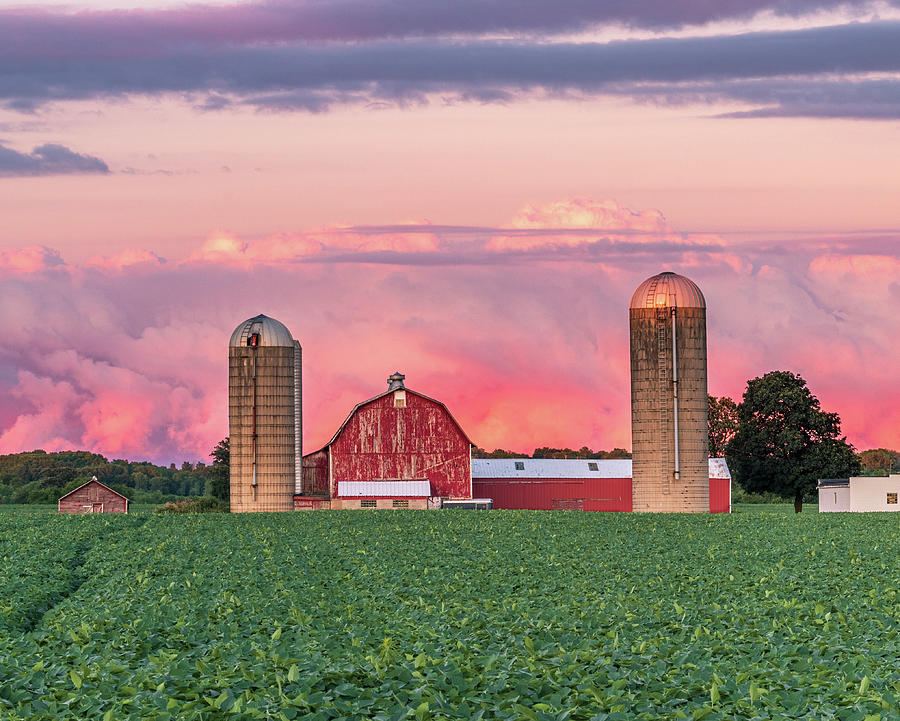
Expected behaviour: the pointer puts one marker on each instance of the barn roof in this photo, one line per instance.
(93, 480)
(568, 468)
(382, 395)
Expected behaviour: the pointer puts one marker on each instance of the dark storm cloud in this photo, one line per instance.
(50, 33)
(314, 78)
(49, 159)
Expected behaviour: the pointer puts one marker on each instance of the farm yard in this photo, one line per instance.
(454, 614)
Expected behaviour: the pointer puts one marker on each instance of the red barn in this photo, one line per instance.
(582, 485)
(93, 497)
(400, 449)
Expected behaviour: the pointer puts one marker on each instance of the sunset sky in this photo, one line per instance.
(465, 191)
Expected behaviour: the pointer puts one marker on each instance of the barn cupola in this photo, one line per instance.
(395, 384)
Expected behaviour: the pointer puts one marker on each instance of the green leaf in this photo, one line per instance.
(293, 674)
(864, 685)
(76, 679)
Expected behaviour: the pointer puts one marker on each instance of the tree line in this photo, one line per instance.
(41, 477)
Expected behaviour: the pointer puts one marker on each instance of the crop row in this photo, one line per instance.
(500, 615)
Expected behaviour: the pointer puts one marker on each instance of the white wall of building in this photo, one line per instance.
(834, 498)
(871, 493)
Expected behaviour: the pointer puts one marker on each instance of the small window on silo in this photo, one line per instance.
(891, 498)
(399, 399)
(593, 467)
(520, 465)
(400, 504)
(368, 503)
(253, 340)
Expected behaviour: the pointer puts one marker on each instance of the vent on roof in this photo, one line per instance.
(593, 467)
(520, 465)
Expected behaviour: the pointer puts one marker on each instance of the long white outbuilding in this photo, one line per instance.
(859, 494)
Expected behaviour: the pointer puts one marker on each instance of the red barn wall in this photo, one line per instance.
(315, 473)
(82, 500)
(421, 440)
(720, 495)
(586, 494)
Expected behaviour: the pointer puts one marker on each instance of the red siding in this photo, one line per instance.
(720, 495)
(315, 473)
(588, 494)
(84, 499)
(421, 440)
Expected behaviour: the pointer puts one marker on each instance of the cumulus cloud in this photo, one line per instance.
(526, 347)
(29, 259)
(128, 257)
(48, 159)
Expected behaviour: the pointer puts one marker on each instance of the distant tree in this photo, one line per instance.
(722, 424)
(785, 442)
(496, 453)
(218, 484)
(879, 461)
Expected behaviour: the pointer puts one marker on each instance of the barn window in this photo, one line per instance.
(368, 503)
(892, 498)
(400, 504)
(593, 467)
(253, 340)
(520, 465)
(399, 399)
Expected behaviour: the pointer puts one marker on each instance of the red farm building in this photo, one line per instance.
(584, 485)
(400, 449)
(93, 497)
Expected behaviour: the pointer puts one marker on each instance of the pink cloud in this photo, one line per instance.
(602, 219)
(125, 259)
(133, 362)
(29, 260)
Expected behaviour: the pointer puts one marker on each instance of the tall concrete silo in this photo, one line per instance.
(668, 396)
(265, 418)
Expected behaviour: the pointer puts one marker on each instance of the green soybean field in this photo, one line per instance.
(421, 615)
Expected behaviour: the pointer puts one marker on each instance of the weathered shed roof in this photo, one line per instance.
(569, 468)
(93, 480)
(833, 483)
(383, 489)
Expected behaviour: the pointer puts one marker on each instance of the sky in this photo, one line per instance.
(466, 192)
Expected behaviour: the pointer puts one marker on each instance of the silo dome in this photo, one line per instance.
(668, 290)
(269, 333)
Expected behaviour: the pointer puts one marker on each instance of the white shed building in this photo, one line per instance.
(860, 493)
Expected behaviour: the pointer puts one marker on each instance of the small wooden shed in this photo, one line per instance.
(93, 497)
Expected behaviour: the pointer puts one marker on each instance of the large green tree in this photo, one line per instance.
(218, 483)
(722, 417)
(785, 442)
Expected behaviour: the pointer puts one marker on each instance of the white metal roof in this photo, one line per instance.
(271, 332)
(549, 468)
(568, 468)
(381, 489)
